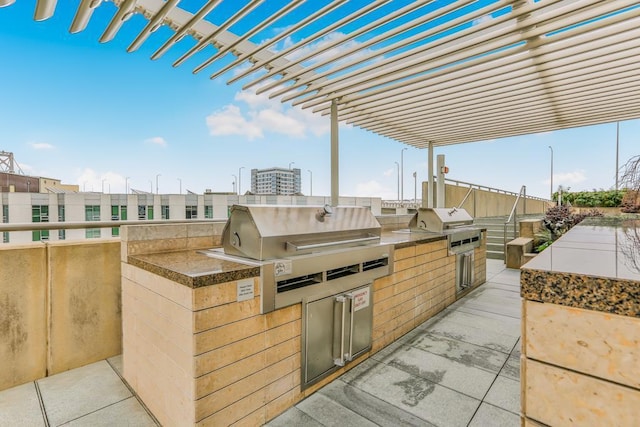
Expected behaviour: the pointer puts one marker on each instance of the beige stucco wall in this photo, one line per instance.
(483, 203)
(23, 301)
(85, 320)
(59, 307)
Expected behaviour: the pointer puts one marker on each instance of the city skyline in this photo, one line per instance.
(89, 113)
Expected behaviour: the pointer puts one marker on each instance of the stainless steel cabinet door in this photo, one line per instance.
(336, 330)
(358, 322)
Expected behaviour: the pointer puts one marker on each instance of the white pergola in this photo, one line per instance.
(421, 72)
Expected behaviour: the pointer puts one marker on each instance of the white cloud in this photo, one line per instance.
(230, 121)
(374, 189)
(156, 140)
(389, 172)
(89, 180)
(566, 178)
(41, 146)
(264, 115)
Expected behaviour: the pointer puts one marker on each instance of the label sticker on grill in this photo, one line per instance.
(245, 289)
(360, 299)
(282, 267)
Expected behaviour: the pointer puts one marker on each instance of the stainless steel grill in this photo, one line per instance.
(462, 238)
(455, 223)
(307, 250)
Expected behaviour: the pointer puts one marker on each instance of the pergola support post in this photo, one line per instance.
(335, 183)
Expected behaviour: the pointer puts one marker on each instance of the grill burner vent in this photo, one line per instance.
(298, 282)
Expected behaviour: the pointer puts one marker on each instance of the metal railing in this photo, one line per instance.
(514, 215)
(471, 189)
(78, 225)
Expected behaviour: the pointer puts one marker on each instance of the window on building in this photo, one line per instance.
(164, 211)
(5, 219)
(40, 213)
(92, 213)
(61, 218)
(208, 212)
(191, 212)
(115, 216)
(118, 213)
(145, 212)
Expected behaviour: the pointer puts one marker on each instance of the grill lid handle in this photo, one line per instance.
(295, 248)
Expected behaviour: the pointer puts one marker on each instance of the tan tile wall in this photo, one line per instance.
(238, 367)
(155, 238)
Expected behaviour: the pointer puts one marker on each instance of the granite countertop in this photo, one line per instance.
(595, 265)
(194, 268)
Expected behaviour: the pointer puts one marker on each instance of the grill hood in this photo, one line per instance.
(263, 232)
(440, 219)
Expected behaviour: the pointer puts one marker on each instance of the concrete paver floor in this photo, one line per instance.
(460, 368)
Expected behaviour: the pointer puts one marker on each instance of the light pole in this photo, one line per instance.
(126, 185)
(415, 187)
(179, 180)
(551, 172)
(290, 163)
(402, 173)
(156, 184)
(29, 187)
(235, 181)
(310, 182)
(151, 186)
(240, 180)
(398, 180)
(103, 185)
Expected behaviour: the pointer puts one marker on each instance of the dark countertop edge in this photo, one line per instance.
(603, 294)
(196, 281)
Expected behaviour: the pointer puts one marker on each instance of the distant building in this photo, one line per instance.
(13, 179)
(20, 207)
(275, 181)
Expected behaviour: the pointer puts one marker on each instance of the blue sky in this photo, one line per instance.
(88, 113)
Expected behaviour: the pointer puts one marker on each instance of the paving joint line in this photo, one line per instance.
(43, 410)
(134, 394)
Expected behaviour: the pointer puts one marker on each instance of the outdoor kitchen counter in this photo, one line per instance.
(194, 269)
(199, 349)
(581, 327)
(594, 266)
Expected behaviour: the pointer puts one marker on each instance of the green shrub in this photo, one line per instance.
(592, 199)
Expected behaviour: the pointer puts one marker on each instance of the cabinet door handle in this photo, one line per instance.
(340, 360)
(349, 355)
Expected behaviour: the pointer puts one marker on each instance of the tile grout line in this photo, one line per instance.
(41, 402)
(93, 412)
(134, 394)
(492, 383)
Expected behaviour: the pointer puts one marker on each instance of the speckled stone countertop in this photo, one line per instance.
(194, 268)
(596, 266)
